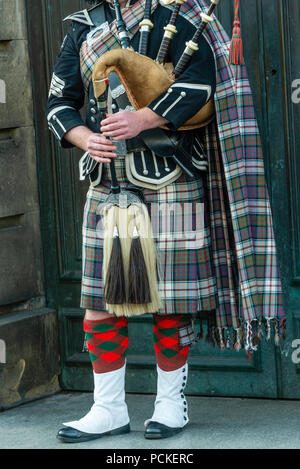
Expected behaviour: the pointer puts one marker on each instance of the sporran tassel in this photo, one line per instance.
(139, 288)
(114, 287)
(126, 219)
(236, 46)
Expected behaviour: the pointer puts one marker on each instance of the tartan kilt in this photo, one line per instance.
(179, 219)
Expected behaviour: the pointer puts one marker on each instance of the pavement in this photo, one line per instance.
(215, 423)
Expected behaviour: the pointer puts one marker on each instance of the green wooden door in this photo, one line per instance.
(270, 31)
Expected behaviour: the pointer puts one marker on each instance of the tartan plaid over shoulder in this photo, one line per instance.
(244, 249)
(241, 221)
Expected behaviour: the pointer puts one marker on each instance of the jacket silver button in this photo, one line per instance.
(93, 110)
(93, 102)
(183, 94)
(114, 106)
(93, 119)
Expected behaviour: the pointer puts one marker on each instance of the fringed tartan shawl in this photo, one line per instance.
(243, 244)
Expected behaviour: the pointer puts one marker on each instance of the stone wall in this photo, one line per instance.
(22, 289)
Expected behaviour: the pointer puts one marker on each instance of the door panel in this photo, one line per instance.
(288, 199)
(269, 33)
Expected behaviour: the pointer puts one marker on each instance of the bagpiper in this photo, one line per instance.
(187, 146)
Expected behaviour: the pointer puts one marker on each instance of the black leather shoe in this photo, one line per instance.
(71, 435)
(155, 430)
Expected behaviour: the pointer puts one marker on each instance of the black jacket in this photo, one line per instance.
(191, 91)
(182, 101)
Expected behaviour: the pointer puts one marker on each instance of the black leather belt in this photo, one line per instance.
(135, 144)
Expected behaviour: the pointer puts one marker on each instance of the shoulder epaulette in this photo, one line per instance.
(82, 16)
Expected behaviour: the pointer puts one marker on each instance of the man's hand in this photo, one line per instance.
(100, 148)
(122, 125)
(126, 124)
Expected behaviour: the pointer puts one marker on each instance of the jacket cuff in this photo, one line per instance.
(61, 120)
(181, 102)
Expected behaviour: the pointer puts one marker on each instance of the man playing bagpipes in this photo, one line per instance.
(166, 144)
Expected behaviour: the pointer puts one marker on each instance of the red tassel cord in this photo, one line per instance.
(236, 46)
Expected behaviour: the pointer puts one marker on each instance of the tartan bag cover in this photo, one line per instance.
(244, 249)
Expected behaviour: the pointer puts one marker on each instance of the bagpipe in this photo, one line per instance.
(154, 77)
